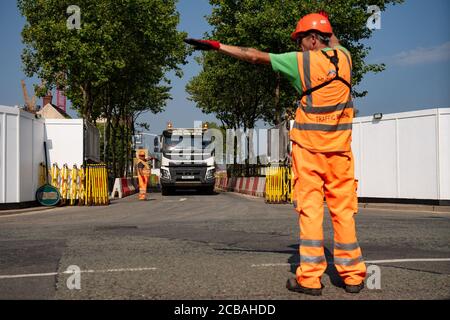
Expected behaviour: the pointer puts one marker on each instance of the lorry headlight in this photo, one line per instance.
(210, 174)
(165, 174)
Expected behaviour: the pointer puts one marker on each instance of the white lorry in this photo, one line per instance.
(187, 160)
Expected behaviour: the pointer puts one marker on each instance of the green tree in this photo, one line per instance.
(266, 25)
(113, 67)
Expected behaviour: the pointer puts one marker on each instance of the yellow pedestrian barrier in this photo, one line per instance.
(96, 181)
(55, 176)
(279, 184)
(73, 185)
(81, 186)
(64, 183)
(85, 186)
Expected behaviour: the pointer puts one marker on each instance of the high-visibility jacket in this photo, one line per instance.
(144, 166)
(324, 118)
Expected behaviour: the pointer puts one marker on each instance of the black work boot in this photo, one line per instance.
(292, 285)
(354, 288)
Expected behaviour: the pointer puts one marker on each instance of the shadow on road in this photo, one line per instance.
(293, 261)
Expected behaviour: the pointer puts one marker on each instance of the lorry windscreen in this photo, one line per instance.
(185, 142)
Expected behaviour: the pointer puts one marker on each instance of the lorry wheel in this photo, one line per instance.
(166, 191)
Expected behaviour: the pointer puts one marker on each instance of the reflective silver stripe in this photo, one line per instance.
(346, 246)
(307, 76)
(347, 262)
(312, 259)
(320, 110)
(312, 243)
(323, 127)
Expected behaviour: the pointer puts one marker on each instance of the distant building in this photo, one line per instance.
(50, 111)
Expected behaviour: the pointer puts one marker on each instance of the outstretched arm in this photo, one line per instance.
(246, 54)
(241, 53)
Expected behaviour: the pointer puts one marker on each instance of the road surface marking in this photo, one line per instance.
(51, 274)
(31, 275)
(183, 199)
(406, 260)
(265, 265)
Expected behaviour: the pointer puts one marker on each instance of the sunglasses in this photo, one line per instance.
(300, 38)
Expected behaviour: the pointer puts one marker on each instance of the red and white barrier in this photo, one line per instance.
(124, 187)
(254, 186)
(261, 187)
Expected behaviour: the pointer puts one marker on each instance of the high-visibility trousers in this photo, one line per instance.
(143, 182)
(331, 175)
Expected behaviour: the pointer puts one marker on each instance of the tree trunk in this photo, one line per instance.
(107, 131)
(87, 102)
(106, 146)
(122, 143)
(114, 148)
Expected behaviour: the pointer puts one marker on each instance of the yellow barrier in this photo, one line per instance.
(55, 176)
(221, 177)
(96, 181)
(81, 186)
(42, 177)
(87, 185)
(279, 185)
(64, 183)
(74, 185)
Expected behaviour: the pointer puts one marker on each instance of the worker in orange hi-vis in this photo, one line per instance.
(322, 158)
(144, 172)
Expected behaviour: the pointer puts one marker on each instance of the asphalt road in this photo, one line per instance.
(224, 246)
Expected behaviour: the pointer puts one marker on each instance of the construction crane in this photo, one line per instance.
(30, 105)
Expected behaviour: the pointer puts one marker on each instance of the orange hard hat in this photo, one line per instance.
(313, 22)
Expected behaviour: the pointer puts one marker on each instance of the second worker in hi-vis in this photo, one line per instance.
(322, 156)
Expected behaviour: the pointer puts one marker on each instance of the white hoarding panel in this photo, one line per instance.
(444, 153)
(356, 148)
(38, 152)
(27, 167)
(378, 158)
(12, 158)
(404, 155)
(64, 141)
(20, 132)
(2, 157)
(418, 158)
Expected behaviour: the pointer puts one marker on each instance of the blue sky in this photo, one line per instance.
(414, 42)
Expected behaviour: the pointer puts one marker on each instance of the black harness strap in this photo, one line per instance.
(335, 61)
